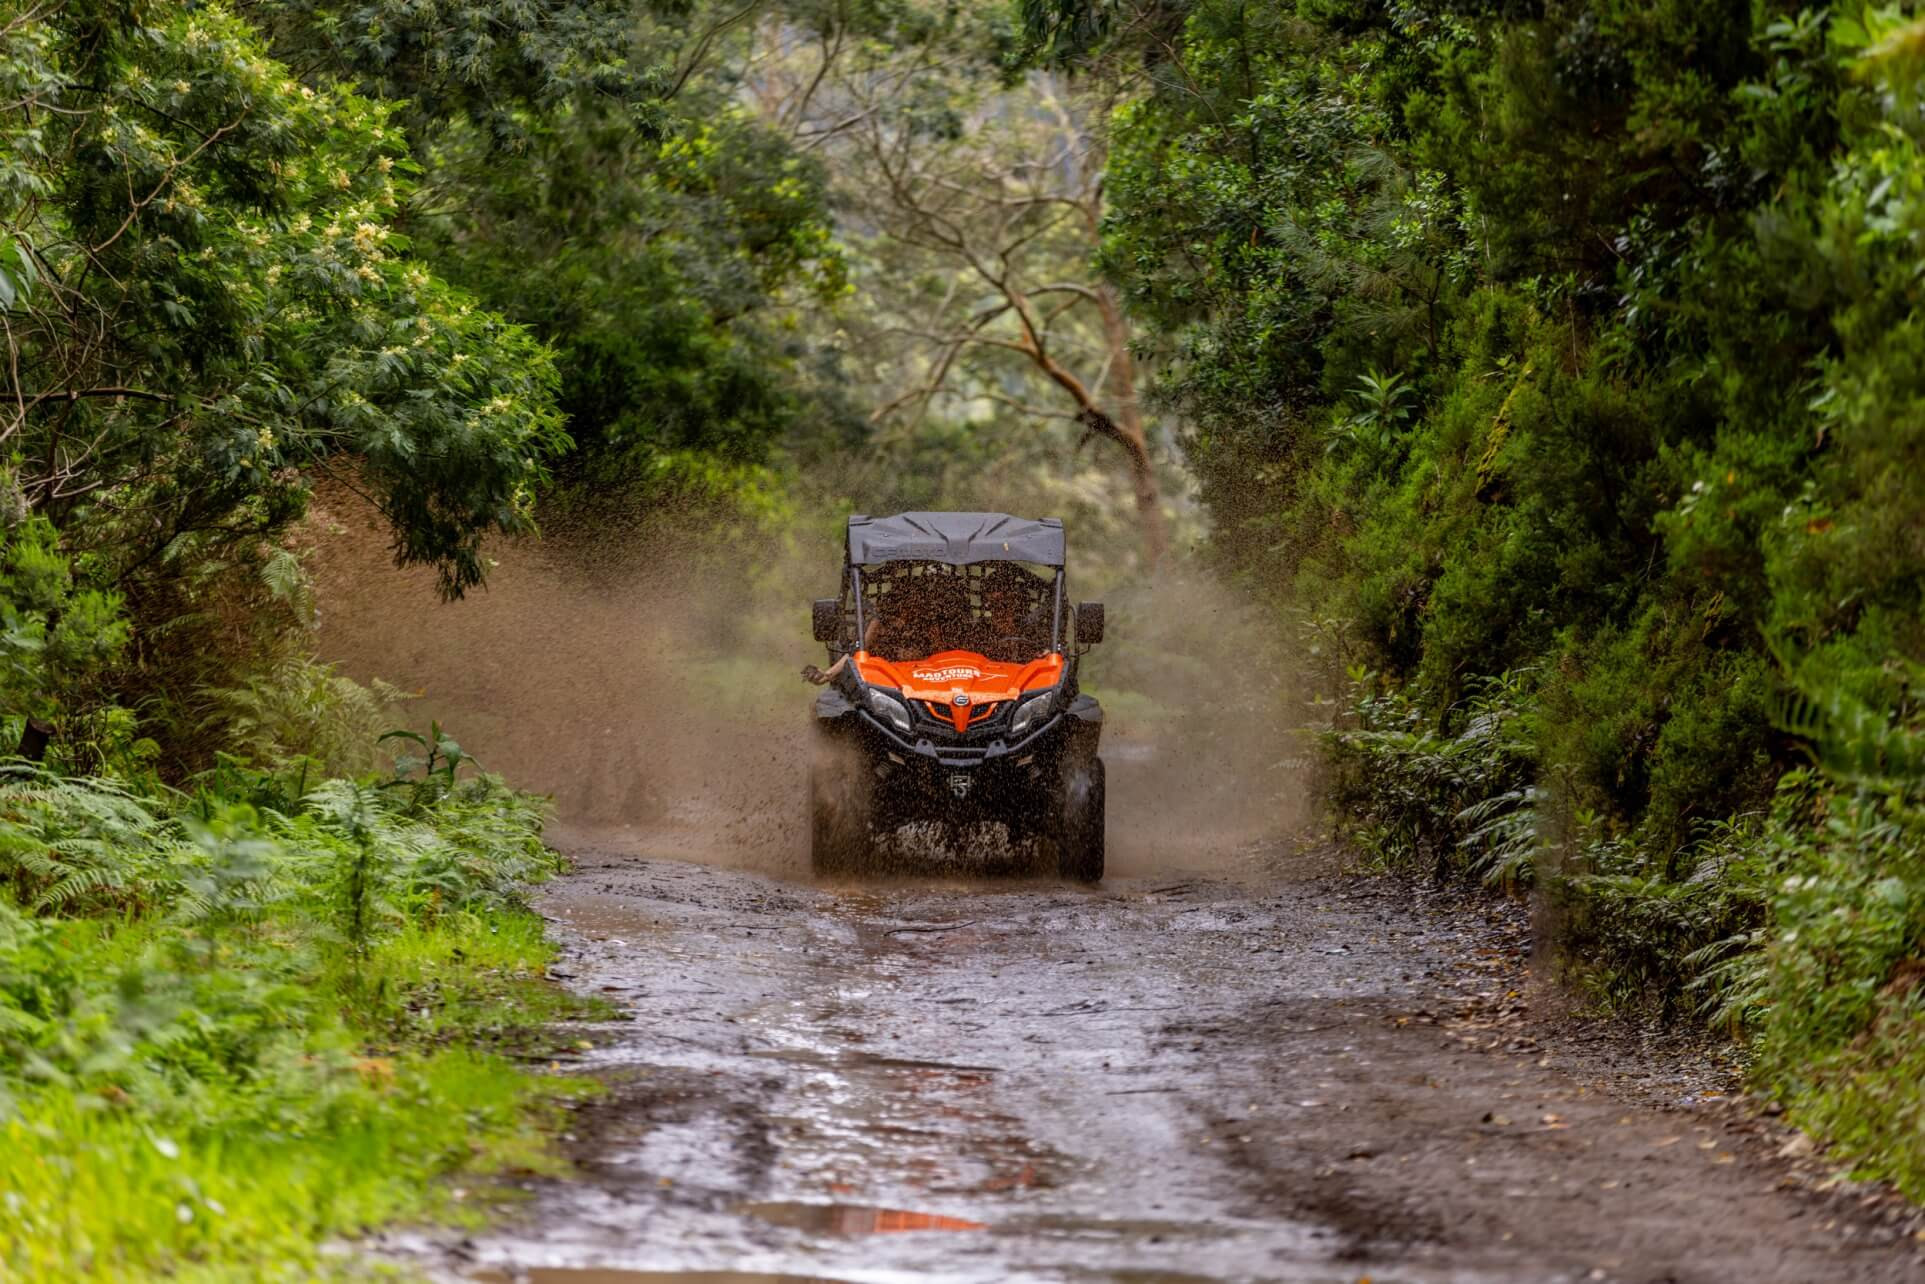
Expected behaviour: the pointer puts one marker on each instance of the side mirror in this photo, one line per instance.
(826, 615)
(1089, 623)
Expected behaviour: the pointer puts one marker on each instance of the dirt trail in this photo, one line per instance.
(1217, 1066)
(1230, 1077)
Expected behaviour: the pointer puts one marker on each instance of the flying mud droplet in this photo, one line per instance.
(651, 692)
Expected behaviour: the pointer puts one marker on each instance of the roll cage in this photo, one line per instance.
(962, 559)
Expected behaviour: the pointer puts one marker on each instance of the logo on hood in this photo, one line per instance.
(955, 673)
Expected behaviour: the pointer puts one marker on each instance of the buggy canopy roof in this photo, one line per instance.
(956, 538)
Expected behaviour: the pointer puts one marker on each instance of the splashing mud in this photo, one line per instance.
(1205, 752)
(638, 686)
(650, 686)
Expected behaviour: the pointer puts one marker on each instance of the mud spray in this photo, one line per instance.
(651, 687)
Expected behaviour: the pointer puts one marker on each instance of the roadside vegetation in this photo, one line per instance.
(1556, 370)
(267, 978)
(239, 1019)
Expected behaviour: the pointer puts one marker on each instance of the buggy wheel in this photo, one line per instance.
(841, 812)
(1079, 822)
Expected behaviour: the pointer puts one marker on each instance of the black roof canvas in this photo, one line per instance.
(955, 538)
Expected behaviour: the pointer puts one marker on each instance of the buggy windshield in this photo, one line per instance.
(1001, 610)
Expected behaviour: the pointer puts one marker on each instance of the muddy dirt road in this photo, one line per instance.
(1250, 1076)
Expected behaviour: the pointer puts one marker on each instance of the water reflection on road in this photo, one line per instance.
(1210, 1078)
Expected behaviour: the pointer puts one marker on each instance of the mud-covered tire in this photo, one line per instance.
(841, 812)
(1080, 822)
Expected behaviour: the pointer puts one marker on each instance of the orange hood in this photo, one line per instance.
(940, 679)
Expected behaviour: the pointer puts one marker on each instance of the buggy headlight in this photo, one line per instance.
(889, 709)
(1032, 712)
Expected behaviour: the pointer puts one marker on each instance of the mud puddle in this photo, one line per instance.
(1186, 1078)
(854, 1219)
(592, 1275)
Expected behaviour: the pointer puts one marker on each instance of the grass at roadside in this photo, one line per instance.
(238, 1024)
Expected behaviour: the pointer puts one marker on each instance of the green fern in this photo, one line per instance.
(1501, 838)
(1854, 741)
(1733, 979)
(302, 708)
(287, 581)
(74, 845)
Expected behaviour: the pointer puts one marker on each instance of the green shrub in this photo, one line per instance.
(1666, 930)
(1640, 921)
(218, 1048)
(1439, 803)
(1842, 1035)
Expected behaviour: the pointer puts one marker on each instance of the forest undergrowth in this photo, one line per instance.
(262, 1012)
(1794, 928)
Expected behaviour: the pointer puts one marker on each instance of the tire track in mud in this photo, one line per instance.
(1211, 1079)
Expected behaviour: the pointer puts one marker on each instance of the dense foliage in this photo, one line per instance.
(430, 255)
(588, 169)
(207, 297)
(1560, 366)
(469, 263)
(237, 1021)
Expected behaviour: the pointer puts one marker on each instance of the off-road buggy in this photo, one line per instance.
(953, 698)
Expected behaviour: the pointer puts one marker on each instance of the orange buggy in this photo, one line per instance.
(952, 694)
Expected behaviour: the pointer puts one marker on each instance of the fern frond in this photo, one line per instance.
(287, 580)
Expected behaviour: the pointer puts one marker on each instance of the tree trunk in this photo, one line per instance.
(1130, 434)
(34, 739)
(1126, 432)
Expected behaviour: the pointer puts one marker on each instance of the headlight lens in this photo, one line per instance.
(1031, 712)
(889, 709)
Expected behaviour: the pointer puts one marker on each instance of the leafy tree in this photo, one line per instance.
(209, 306)
(1842, 556)
(55, 635)
(660, 267)
(1550, 230)
(587, 170)
(207, 303)
(499, 64)
(973, 205)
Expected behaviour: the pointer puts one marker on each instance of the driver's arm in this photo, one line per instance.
(821, 676)
(871, 632)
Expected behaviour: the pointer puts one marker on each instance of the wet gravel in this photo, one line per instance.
(1275, 1075)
